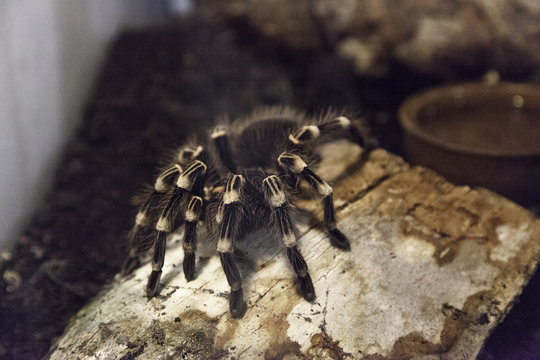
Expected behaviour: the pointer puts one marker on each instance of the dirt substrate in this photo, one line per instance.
(158, 87)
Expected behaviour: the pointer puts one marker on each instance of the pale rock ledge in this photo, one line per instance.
(433, 269)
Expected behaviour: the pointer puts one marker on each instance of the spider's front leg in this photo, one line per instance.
(164, 183)
(221, 143)
(297, 166)
(276, 198)
(190, 181)
(228, 217)
(192, 214)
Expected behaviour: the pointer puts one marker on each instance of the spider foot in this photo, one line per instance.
(130, 264)
(237, 305)
(306, 287)
(153, 284)
(339, 240)
(189, 266)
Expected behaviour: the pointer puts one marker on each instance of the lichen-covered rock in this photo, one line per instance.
(437, 36)
(433, 269)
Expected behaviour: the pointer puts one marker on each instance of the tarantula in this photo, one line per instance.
(244, 171)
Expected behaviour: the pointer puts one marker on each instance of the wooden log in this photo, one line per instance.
(433, 269)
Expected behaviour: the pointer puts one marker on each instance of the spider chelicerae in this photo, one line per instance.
(244, 173)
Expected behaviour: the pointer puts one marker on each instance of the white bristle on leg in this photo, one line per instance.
(343, 121)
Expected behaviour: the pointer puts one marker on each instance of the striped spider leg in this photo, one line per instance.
(276, 198)
(190, 185)
(163, 184)
(228, 219)
(295, 165)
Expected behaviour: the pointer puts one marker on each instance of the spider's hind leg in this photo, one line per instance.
(340, 126)
(141, 222)
(294, 164)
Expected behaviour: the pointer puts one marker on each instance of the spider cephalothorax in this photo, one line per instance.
(244, 171)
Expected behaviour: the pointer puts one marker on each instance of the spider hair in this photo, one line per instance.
(253, 165)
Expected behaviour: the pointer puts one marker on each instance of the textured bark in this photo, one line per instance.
(433, 269)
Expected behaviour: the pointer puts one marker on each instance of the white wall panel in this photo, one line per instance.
(50, 52)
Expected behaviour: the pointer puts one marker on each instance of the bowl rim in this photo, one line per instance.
(414, 103)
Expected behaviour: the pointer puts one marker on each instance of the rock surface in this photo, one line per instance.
(439, 37)
(433, 269)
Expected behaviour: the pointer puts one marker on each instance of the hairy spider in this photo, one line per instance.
(244, 171)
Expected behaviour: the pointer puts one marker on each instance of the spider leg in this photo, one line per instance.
(221, 141)
(276, 198)
(133, 260)
(192, 178)
(228, 217)
(296, 165)
(163, 183)
(340, 126)
(192, 214)
(187, 155)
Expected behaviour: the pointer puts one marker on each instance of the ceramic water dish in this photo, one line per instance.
(478, 134)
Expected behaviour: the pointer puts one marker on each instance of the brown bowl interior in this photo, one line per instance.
(478, 134)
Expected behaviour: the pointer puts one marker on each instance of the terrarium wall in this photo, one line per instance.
(50, 52)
